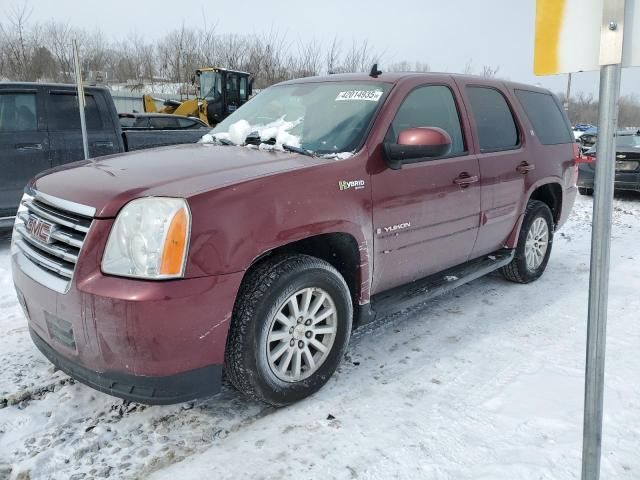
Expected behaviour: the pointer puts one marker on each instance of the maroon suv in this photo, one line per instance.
(318, 205)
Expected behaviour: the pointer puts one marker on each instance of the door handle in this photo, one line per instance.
(464, 180)
(525, 168)
(28, 146)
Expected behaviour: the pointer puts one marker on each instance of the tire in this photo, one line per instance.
(520, 270)
(585, 191)
(266, 291)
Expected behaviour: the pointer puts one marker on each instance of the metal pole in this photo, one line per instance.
(568, 97)
(599, 273)
(81, 99)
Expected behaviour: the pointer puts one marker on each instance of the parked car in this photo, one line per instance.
(159, 121)
(588, 139)
(40, 129)
(583, 127)
(319, 205)
(627, 164)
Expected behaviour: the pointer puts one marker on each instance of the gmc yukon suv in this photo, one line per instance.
(316, 206)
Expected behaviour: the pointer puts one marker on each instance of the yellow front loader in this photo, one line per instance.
(220, 92)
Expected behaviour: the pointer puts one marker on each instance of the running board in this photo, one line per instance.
(423, 290)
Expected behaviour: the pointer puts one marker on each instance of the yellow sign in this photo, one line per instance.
(568, 32)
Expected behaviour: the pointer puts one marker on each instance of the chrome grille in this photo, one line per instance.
(47, 238)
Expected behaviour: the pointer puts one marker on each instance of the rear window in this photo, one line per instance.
(163, 123)
(548, 121)
(18, 112)
(64, 112)
(496, 127)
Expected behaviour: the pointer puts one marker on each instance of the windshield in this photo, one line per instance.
(323, 118)
(210, 84)
(628, 141)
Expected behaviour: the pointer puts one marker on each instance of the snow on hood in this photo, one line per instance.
(278, 129)
(240, 130)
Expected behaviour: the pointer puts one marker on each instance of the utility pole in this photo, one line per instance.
(81, 99)
(568, 96)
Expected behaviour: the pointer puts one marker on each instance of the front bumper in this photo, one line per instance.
(623, 180)
(149, 390)
(150, 341)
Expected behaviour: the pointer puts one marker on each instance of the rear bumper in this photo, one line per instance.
(149, 390)
(623, 180)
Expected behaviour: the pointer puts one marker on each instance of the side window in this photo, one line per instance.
(187, 123)
(496, 127)
(164, 123)
(18, 112)
(548, 121)
(64, 112)
(243, 88)
(429, 106)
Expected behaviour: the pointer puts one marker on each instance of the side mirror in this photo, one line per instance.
(417, 144)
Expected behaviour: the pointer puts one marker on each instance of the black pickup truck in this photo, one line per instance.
(40, 129)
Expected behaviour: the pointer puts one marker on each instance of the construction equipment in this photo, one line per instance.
(220, 92)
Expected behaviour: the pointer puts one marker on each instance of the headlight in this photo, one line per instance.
(149, 239)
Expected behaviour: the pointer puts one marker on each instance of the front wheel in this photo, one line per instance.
(290, 328)
(534, 244)
(585, 191)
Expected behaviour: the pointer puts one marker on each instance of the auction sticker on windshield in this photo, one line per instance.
(370, 95)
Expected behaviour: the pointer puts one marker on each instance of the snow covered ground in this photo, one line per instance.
(483, 383)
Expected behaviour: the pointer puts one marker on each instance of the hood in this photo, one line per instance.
(178, 171)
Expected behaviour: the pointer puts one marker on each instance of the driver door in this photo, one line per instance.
(425, 222)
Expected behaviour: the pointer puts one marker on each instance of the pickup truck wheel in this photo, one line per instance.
(534, 244)
(585, 191)
(290, 328)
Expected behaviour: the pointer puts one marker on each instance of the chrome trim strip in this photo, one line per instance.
(39, 275)
(45, 262)
(7, 221)
(51, 249)
(69, 238)
(53, 218)
(62, 204)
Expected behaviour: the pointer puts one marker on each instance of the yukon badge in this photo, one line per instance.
(394, 228)
(347, 184)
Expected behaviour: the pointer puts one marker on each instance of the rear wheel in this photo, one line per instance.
(534, 244)
(585, 191)
(290, 328)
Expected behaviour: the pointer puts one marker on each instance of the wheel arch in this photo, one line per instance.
(545, 191)
(340, 249)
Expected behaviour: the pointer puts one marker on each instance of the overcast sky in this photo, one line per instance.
(444, 33)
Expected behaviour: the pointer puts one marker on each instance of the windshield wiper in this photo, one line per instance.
(300, 150)
(222, 141)
(254, 139)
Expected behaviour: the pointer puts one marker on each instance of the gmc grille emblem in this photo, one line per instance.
(39, 229)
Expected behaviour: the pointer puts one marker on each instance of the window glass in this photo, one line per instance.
(548, 121)
(64, 113)
(164, 123)
(496, 127)
(187, 123)
(127, 121)
(18, 112)
(430, 106)
(325, 117)
(142, 122)
(243, 88)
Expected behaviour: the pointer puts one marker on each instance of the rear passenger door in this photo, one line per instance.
(504, 163)
(424, 221)
(23, 142)
(64, 127)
